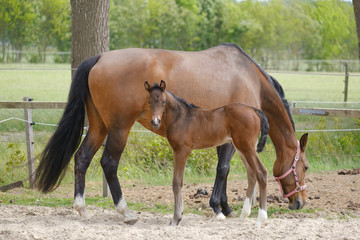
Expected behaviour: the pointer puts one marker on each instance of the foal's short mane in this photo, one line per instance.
(271, 79)
(183, 101)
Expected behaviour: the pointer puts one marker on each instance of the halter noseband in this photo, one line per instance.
(292, 169)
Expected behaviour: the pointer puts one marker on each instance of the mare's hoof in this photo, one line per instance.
(219, 217)
(174, 223)
(130, 221)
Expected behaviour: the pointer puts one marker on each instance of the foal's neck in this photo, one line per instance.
(175, 107)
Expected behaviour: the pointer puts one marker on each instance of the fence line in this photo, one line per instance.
(269, 71)
(148, 131)
(312, 73)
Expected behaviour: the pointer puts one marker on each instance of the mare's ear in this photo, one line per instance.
(162, 85)
(147, 86)
(303, 141)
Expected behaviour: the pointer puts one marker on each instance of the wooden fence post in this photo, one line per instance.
(106, 190)
(346, 82)
(30, 144)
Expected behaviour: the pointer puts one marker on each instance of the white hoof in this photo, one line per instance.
(125, 213)
(219, 217)
(174, 223)
(130, 219)
(79, 205)
(262, 217)
(246, 209)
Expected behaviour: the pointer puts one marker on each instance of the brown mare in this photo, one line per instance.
(188, 127)
(110, 88)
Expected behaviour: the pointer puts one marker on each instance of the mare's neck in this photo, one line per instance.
(281, 130)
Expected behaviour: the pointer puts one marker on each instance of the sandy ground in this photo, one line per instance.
(338, 197)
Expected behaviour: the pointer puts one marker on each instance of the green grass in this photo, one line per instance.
(311, 87)
(41, 85)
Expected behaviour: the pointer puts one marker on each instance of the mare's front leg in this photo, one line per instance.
(180, 158)
(218, 197)
(114, 147)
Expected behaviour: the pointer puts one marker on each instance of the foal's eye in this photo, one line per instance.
(164, 102)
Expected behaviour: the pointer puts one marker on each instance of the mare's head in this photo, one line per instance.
(292, 180)
(157, 101)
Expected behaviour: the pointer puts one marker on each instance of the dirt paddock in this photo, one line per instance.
(335, 200)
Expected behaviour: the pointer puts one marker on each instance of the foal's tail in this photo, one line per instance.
(67, 137)
(264, 126)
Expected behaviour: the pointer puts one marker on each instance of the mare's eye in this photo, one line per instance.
(164, 102)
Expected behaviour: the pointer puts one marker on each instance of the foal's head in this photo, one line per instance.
(157, 101)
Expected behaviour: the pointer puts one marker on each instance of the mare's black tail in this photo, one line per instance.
(67, 137)
(264, 126)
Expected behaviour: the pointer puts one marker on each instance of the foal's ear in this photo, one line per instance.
(303, 141)
(147, 86)
(162, 85)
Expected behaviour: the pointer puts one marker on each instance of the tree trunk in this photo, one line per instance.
(90, 29)
(356, 4)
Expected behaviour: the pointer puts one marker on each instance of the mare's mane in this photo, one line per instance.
(271, 79)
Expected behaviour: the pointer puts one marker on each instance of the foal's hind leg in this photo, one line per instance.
(218, 197)
(260, 173)
(251, 190)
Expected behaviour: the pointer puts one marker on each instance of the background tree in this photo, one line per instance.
(90, 29)
(16, 19)
(356, 4)
(52, 25)
(274, 29)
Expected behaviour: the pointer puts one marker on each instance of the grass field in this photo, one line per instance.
(149, 157)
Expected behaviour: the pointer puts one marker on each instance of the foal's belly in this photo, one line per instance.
(210, 141)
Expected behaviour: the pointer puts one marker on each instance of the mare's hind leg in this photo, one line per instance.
(92, 142)
(83, 157)
(114, 147)
(218, 197)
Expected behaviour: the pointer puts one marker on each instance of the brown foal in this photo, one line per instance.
(188, 127)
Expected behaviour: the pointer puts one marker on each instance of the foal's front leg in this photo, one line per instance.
(180, 158)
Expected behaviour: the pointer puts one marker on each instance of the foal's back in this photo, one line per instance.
(236, 121)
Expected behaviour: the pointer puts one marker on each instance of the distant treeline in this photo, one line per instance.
(273, 29)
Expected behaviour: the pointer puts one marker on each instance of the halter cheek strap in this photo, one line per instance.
(292, 169)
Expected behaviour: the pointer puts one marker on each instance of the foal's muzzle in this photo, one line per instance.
(156, 122)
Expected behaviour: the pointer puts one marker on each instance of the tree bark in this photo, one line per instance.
(90, 29)
(356, 4)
